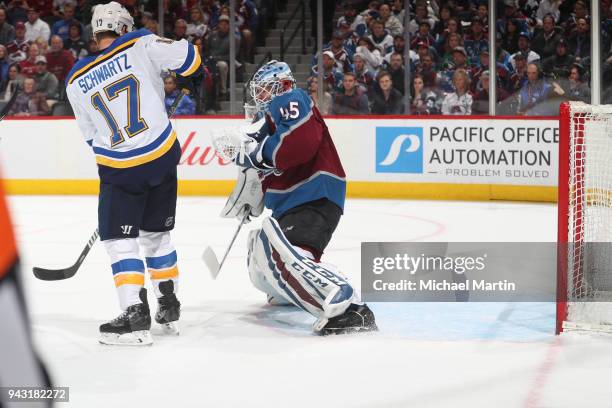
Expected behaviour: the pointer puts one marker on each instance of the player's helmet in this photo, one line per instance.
(111, 17)
(272, 79)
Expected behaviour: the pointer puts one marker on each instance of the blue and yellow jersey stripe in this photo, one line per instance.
(163, 267)
(192, 62)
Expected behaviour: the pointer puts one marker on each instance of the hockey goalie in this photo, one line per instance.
(288, 162)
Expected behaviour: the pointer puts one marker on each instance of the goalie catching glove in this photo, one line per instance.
(246, 196)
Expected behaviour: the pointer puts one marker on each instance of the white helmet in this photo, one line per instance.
(111, 17)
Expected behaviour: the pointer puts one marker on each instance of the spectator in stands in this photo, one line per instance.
(59, 60)
(17, 11)
(524, 48)
(580, 11)
(379, 37)
(363, 76)
(15, 81)
(186, 105)
(446, 12)
(391, 23)
(332, 76)
(371, 13)
(397, 72)
(46, 82)
(386, 100)
(545, 41)
(196, 27)
(4, 68)
(418, 103)
(548, 7)
(62, 27)
(351, 100)
(452, 41)
(246, 11)
(518, 78)
(510, 38)
(218, 48)
(371, 54)
(476, 41)
(341, 56)
(459, 62)
(558, 65)
(18, 48)
(398, 46)
(477, 70)
(313, 91)
(423, 35)
(535, 91)
(480, 104)
(511, 12)
(458, 102)
(579, 43)
(420, 14)
(355, 23)
(575, 88)
(453, 27)
(35, 27)
(428, 71)
(398, 10)
(7, 31)
(29, 102)
(75, 43)
(152, 26)
(180, 30)
(28, 65)
(482, 12)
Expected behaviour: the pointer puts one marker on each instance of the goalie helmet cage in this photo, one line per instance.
(584, 255)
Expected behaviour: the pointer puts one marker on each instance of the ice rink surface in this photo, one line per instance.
(235, 351)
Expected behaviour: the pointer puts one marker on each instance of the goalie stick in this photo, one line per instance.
(210, 258)
(66, 273)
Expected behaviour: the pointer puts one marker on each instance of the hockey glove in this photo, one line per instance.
(251, 155)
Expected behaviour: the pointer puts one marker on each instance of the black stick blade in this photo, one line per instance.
(54, 274)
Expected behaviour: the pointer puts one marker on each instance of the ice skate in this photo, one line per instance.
(130, 328)
(356, 319)
(168, 308)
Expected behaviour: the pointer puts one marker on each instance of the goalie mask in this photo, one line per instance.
(272, 79)
(111, 17)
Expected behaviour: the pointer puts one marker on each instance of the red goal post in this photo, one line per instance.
(584, 269)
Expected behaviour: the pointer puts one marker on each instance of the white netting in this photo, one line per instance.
(589, 261)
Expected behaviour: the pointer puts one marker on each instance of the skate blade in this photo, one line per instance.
(136, 338)
(170, 329)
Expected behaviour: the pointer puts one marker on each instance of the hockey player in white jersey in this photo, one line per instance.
(304, 185)
(118, 99)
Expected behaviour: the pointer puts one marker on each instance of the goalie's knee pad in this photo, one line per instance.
(317, 288)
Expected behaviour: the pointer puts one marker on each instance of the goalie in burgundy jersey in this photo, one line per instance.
(290, 151)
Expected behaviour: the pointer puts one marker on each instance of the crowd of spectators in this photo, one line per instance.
(542, 57)
(40, 41)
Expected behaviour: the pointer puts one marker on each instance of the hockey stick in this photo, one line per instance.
(59, 274)
(66, 273)
(210, 258)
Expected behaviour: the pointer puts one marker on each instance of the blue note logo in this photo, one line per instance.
(399, 150)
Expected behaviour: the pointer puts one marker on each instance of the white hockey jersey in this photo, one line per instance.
(118, 97)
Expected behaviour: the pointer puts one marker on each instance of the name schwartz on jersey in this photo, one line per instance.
(97, 75)
(118, 99)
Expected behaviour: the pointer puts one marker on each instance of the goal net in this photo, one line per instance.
(585, 218)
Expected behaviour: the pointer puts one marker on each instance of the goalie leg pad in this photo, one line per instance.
(314, 287)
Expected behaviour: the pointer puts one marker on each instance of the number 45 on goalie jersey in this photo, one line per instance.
(118, 97)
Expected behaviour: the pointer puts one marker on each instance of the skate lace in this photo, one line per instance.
(120, 318)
